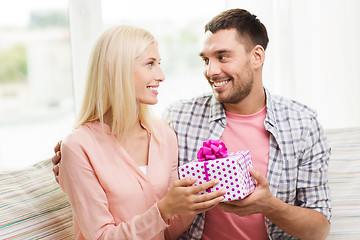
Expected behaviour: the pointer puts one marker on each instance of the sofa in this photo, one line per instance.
(32, 205)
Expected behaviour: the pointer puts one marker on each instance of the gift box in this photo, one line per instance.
(231, 169)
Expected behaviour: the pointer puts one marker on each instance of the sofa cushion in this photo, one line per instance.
(32, 205)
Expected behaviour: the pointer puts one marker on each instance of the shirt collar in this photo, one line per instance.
(217, 110)
(270, 113)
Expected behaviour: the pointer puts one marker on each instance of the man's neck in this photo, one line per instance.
(253, 103)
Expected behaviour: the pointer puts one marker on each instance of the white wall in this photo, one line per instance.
(313, 54)
(85, 25)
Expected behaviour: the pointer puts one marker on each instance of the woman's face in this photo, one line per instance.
(148, 75)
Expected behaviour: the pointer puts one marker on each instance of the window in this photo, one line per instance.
(178, 27)
(36, 100)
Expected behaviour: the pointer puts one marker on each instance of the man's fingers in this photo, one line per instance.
(57, 146)
(257, 176)
(225, 207)
(56, 158)
(56, 172)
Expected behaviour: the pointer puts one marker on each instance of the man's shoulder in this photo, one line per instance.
(185, 105)
(283, 105)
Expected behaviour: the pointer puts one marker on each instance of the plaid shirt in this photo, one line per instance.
(298, 153)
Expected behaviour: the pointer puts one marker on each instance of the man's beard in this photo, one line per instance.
(238, 92)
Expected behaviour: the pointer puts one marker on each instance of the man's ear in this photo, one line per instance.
(258, 56)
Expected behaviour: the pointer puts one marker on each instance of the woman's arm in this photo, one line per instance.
(90, 205)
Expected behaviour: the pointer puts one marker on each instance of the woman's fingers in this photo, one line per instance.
(194, 190)
(184, 198)
(204, 186)
(208, 200)
(185, 182)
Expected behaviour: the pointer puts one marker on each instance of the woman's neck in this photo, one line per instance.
(135, 128)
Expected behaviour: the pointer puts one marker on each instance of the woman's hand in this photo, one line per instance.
(183, 199)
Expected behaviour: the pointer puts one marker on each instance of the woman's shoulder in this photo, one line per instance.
(84, 134)
(167, 136)
(164, 129)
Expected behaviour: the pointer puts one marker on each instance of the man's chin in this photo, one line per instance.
(220, 97)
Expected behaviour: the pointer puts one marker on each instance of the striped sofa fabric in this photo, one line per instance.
(344, 180)
(32, 205)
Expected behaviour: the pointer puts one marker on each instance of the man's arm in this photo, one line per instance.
(300, 222)
(56, 160)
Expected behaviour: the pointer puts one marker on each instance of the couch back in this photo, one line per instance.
(33, 206)
(344, 180)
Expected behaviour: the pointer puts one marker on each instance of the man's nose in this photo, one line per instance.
(212, 69)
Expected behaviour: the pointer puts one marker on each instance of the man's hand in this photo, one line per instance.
(56, 161)
(255, 202)
(300, 222)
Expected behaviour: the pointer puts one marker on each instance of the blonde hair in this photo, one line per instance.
(110, 81)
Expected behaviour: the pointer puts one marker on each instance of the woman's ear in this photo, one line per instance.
(258, 56)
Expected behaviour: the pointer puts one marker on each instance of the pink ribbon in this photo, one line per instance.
(206, 175)
(211, 150)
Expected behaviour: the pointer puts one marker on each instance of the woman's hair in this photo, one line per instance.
(110, 80)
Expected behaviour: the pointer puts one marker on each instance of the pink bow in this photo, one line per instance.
(211, 150)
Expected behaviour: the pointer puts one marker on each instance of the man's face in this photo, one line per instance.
(227, 66)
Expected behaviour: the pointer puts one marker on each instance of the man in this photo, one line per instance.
(286, 141)
(288, 147)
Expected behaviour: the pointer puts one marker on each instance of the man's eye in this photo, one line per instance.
(150, 63)
(205, 60)
(223, 57)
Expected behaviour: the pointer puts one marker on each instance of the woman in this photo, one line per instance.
(119, 165)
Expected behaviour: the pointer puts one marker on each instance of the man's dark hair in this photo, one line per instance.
(247, 25)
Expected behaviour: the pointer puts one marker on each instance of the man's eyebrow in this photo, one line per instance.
(221, 51)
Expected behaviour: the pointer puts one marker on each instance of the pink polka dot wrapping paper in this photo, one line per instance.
(232, 172)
